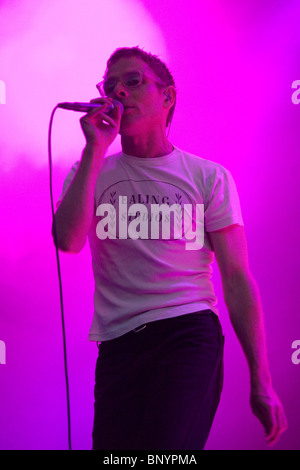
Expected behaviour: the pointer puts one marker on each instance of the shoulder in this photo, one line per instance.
(202, 163)
(209, 171)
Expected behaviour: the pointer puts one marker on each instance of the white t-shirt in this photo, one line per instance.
(146, 265)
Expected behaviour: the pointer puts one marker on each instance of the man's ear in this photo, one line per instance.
(169, 96)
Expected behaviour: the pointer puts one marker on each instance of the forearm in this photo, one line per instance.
(74, 215)
(245, 310)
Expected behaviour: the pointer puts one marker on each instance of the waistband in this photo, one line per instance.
(161, 322)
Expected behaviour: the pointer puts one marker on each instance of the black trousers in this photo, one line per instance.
(158, 388)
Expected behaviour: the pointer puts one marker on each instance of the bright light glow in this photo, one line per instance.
(57, 52)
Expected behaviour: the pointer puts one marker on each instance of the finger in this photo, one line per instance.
(117, 111)
(279, 426)
(274, 432)
(98, 113)
(266, 416)
(99, 104)
(113, 117)
(98, 109)
(101, 100)
(100, 117)
(273, 436)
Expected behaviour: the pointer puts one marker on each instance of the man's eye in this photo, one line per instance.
(109, 87)
(133, 80)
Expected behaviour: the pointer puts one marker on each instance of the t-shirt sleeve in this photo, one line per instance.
(222, 207)
(67, 182)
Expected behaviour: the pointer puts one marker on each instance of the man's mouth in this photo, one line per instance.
(128, 108)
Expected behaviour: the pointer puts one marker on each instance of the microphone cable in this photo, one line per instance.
(59, 279)
(81, 107)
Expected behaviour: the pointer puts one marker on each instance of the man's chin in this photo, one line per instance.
(129, 130)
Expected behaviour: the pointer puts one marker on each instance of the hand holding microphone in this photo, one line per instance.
(75, 212)
(102, 122)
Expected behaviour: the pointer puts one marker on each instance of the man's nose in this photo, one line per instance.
(120, 90)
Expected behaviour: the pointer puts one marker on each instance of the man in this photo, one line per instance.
(160, 365)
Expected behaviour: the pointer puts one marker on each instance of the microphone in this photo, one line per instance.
(86, 107)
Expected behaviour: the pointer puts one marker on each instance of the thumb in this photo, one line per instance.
(118, 109)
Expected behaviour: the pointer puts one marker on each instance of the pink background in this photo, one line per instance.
(234, 64)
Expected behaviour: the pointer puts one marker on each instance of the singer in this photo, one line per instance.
(159, 371)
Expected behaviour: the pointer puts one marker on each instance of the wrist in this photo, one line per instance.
(92, 156)
(93, 150)
(261, 384)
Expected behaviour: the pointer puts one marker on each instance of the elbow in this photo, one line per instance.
(240, 291)
(68, 247)
(66, 244)
(236, 279)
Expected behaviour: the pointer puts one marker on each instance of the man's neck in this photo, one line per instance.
(146, 147)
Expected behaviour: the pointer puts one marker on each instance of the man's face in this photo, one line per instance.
(143, 105)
